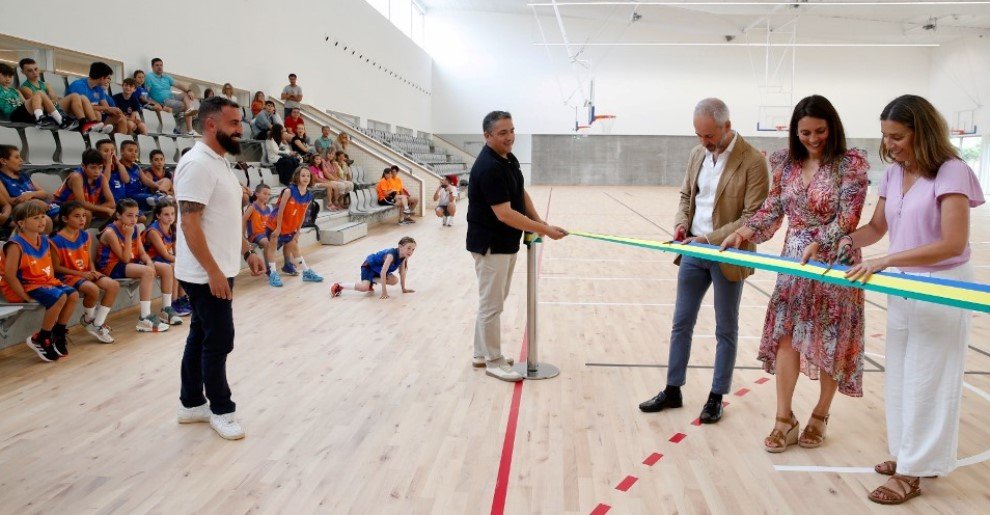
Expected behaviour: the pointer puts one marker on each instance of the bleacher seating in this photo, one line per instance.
(420, 150)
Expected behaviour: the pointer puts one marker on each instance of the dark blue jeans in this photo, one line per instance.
(211, 338)
(693, 279)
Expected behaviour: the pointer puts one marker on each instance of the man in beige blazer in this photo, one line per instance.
(726, 182)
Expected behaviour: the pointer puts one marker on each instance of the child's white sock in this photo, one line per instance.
(166, 300)
(89, 312)
(145, 308)
(57, 116)
(271, 266)
(39, 114)
(101, 315)
(302, 263)
(347, 286)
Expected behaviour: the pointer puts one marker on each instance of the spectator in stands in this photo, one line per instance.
(227, 91)
(324, 143)
(381, 267)
(283, 228)
(403, 199)
(293, 120)
(258, 103)
(386, 195)
(342, 143)
(344, 166)
(292, 95)
(300, 142)
(446, 199)
(320, 176)
(38, 109)
(160, 177)
(112, 170)
(87, 186)
(94, 88)
(136, 183)
(129, 102)
(144, 96)
(122, 256)
(275, 145)
(160, 85)
(16, 188)
(159, 243)
(340, 174)
(77, 107)
(73, 266)
(29, 276)
(208, 93)
(263, 121)
(256, 218)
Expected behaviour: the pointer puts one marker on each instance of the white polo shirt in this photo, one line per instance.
(205, 177)
(708, 177)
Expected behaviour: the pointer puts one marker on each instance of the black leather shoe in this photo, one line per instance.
(660, 402)
(712, 412)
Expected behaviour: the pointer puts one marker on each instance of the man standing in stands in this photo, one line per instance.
(499, 211)
(208, 256)
(292, 96)
(726, 182)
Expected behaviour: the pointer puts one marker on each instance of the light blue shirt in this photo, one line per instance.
(160, 88)
(94, 94)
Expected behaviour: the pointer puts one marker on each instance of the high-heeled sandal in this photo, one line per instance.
(889, 468)
(811, 437)
(779, 440)
(886, 495)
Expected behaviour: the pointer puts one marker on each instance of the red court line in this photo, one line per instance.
(652, 459)
(508, 444)
(742, 391)
(762, 380)
(696, 422)
(626, 483)
(601, 509)
(677, 437)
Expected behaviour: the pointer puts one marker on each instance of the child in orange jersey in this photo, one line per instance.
(256, 218)
(28, 275)
(283, 228)
(122, 256)
(74, 267)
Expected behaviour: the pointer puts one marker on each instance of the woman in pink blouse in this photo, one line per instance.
(925, 198)
(811, 327)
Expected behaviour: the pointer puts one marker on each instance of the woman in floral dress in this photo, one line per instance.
(811, 326)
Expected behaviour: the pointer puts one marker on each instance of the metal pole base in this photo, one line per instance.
(542, 371)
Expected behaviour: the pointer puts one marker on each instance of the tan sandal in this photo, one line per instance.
(779, 440)
(811, 437)
(907, 489)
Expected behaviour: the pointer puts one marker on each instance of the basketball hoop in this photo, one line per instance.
(605, 121)
(581, 130)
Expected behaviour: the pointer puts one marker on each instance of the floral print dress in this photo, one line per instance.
(825, 321)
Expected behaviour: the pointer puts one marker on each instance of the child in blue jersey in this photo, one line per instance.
(159, 242)
(380, 267)
(136, 181)
(113, 170)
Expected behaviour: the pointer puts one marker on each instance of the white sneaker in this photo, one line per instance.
(197, 414)
(107, 129)
(480, 361)
(226, 426)
(151, 324)
(100, 332)
(193, 134)
(501, 369)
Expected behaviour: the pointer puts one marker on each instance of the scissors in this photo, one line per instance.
(839, 258)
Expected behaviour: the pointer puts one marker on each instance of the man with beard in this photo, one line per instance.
(208, 256)
(726, 182)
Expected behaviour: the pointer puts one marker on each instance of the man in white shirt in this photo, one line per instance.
(726, 182)
(208, 256)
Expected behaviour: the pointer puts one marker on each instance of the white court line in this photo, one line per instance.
(965, 462)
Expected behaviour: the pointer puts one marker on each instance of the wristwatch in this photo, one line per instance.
(247, 255)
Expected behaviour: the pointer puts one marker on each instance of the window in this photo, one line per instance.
(408, 15)
(969, 150)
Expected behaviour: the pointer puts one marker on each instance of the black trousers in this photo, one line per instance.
(211, 338)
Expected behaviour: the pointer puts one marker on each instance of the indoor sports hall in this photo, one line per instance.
(351, 402)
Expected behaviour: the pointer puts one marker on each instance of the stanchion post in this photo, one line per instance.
(533, 369)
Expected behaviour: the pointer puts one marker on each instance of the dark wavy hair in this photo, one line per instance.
(817, 106)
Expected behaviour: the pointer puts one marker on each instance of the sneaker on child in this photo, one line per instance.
(43, 348)
(61, 345)
(100, 332)
(311, 277)
(151, 324)
(182, 306)
(226, 426)
(169, 316)
(290, 269)
(336, 289)
(199, 413)
(274, 280)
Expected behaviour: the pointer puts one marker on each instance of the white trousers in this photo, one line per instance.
(494, 278)
(926, 353)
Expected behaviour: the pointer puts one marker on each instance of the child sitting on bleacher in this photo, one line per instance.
(283, 228)
(128, 102)
(17, 188)
(160, 177)
(256, 219)
(136, 183)
(122, 256)
(88, 186)
(446, 199)
(73, 266)
(74, 108)
(159, 243)
(380, 267)
(28, 275)
(112, 170)
(39, 109)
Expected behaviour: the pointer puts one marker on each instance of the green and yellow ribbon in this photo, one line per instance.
(959, 294)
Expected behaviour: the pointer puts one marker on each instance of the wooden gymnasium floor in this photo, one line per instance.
(366, 406)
